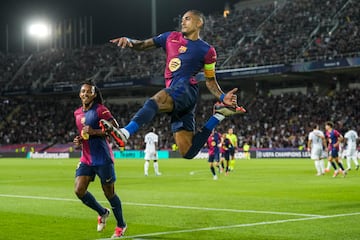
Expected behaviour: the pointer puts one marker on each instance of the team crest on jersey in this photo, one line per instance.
(174, 64)
(182, 49)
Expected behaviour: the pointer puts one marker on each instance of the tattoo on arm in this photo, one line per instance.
(143, 44)
(213, 87)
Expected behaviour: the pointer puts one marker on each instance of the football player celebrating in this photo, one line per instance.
(97, 157)
(186, 55)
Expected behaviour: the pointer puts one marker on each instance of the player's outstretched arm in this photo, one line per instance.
(228, 98)
(125, 42)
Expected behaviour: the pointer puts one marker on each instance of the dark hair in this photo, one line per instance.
(331, 124)
(199, 14)
(99, 97)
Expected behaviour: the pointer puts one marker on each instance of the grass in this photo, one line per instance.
(273, 199)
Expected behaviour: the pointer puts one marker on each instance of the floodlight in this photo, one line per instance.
(39, 30)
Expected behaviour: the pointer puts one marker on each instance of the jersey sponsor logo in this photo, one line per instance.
(173, 40)
(182, 49)
(174, 64)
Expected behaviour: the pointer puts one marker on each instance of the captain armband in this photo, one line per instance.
(209, 70)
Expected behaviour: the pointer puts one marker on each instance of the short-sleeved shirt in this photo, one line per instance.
(213, 143)
(316, 138)
(351, 137)
(333, 136)
(96, 150)
(184, 59)
(151, 140)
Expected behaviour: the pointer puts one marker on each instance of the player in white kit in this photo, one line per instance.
(317, 146)
(151, 141)
(351, 138)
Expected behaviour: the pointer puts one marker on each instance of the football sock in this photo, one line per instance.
(317, 166)
(201, 137)
(117, 210)
(232, 164)
(322, 166)
(89, 200)
(328, 165)
(333, 165)
(156, 167)
(355, 161)
(146, 167)
(348, 162)
(143, 116)
(212, 169)
(214, 121)
(198, 142)
(341, 166)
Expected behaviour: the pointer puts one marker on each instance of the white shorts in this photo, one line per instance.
(151, 156)
(316, 153)
(351, 153)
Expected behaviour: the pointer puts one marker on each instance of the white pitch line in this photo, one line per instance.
(168, 206)
(223, 209)
(237, 226)
(306, 216)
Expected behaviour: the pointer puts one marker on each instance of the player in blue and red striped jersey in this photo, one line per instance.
(334, 139)
(187, 54)
(227, 148)
(97, 157)
(214, 145)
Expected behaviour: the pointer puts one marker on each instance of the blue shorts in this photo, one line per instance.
(185, 96)
(232, 151)
(214, 158)
(106, 173)
(226, 155)
(334, 153)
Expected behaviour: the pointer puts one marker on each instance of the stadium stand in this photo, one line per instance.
(268, 33)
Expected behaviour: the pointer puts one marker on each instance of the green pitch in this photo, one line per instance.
(262, 199)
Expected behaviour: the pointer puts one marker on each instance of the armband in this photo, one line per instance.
(209, 70)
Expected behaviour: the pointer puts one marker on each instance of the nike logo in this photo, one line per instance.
(108, 180)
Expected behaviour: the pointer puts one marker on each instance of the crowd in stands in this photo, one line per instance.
(280, 32)
(272, 121)
(283, 31)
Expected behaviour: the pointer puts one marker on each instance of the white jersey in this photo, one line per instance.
(151, 139)
(316, 144)
(316, 139)
(351, 136)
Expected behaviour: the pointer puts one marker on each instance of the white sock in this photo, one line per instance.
(156, 167)
(328, 165)
(317, 166)
(219, 116)
(125, 132)
(322, 165)
(146, 167)
(356, 162)
(348, 162)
